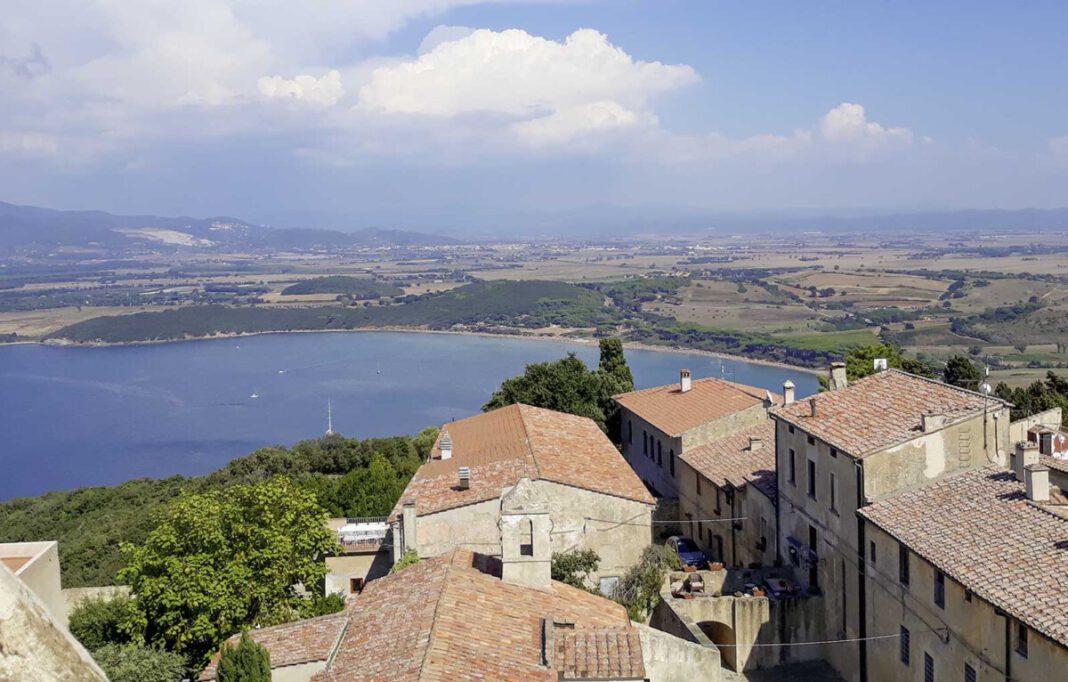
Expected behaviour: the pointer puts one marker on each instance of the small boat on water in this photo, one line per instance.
(254, 395)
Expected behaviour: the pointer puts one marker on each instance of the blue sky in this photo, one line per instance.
(446, 113)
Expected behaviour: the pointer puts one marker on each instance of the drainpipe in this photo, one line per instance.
(862, 597)
(734, 545)
(778, 498)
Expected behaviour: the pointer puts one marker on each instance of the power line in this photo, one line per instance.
(848, 640)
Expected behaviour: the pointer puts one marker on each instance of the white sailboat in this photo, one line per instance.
(254, 395)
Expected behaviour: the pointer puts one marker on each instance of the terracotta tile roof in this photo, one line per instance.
(730, 460)
(979, 529)
(304, 641)
(599, 654)
(1055, 463)
(881, 410)
(520, 441)
(674, 412)
(451, 618)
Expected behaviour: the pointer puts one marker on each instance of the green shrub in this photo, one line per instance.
(574, 568)
(101, 621)
(409, 558)
(639, 589)
(136, 663)
(247, 662)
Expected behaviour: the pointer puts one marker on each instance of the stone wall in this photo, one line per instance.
(1018, 429)
(670, 659)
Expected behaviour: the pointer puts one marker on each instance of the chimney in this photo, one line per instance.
(838, 376)
(1036, 479)
(465, 478)
(685, 381)
(812, 407)
(932, 422)
(755, 443)
(1026, 455)
(787, 392)
(409, 540)
(445, 445)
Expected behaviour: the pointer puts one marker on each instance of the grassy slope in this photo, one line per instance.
(357, 287)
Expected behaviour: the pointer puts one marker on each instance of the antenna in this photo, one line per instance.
(329, 419)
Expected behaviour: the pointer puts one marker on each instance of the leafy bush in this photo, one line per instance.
(100, 621)
(322, 606)
(574, 568)
(409, 558)
(247, 662)
(639, 589)
(136, 663)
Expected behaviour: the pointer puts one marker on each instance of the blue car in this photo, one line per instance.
(687, 551)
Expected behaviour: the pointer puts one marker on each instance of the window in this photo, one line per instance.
(526, 538)
(834, 492)
(834, 452)
(763, 533)
(969, 673)
(355, 585)
(903, 565)
(940, 589)
(812, 479)
(928, 668)
(904, 645)
(793, 468)
(811, 440)
(660, 454)
(645, 442)
(1021, 639)
(698, 477)
(630, 432)
(671, 462)
(873, 551)
(968, 596)
(717, 509)
(791, 426)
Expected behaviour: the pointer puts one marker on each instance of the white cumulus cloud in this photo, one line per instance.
(556, 90)
(848, 122)
(326, 90)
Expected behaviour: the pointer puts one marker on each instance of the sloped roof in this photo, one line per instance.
(305, 641)
(520, 441)
(882, 410)
(979, 528)
(452, 618)
(729, 460)
(674, 412)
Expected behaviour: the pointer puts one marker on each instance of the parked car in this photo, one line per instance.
(687, 550)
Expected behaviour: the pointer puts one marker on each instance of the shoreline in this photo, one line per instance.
(632, 345)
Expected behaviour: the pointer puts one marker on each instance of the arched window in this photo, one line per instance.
(526, 538)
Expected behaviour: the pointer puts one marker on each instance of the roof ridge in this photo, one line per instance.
(936, 382)
(526, 440)
(431, 636)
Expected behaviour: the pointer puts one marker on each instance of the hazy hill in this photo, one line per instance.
(25, 227)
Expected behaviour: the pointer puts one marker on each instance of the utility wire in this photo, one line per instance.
(828, 641)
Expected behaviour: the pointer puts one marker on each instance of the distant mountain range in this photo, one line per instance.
(29, 227)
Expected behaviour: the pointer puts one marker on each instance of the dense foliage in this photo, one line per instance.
(575, 567)
(1038, 397)
(860, 361)
(639, 588)
(409, 558)
(137, 663)
(247, 662)
(226, 559)
(567, 386)
(100, 621)
(354, 287)
(518, 304)
(91, 523)
(962, 372)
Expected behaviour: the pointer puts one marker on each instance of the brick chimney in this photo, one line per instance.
(1026, 455)
(685, 381)
(1036, 479)
(445, 445)
(812, 411)
(932, 421)
(787, 392)
(838, 378)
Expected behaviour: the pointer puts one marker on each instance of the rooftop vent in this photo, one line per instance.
(445, 446)
(465, 478)
(1026, 455)
(755, 443)
(685, 381)
(787, 392)
(880, 364)
(838, 377)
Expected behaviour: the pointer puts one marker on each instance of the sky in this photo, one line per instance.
(446, 114)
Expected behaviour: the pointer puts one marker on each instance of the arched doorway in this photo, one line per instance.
(722, 635)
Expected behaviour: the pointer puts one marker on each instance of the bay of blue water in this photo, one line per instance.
(74, 417)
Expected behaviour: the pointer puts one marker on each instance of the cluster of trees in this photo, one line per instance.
(357, 288)
(1038, 397)
(568, 386)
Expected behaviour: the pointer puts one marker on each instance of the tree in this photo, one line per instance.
(568, 386)
(99, 621)
(962, 372)
(137, 663)
(860, 362)
(639, 588)
(225, 560)
(574, 568)
(247, 662)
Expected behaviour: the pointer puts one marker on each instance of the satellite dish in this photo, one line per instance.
(880, 364)
(984, 388)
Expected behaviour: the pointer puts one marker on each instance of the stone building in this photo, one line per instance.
(466, 616)
(707, 448)
(851, 447)
(36, 564)
(364, 555)
(456, 499)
